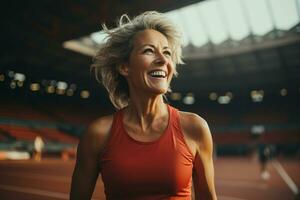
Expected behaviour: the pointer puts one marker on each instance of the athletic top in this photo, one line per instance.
(136, 170)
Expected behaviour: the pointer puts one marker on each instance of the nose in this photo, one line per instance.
(160, 59)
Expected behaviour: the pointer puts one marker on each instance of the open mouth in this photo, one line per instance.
(158, 74)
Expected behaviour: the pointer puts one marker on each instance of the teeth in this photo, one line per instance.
(158, 73)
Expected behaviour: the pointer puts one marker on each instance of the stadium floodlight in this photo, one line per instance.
(19, 77)
(175, 96)
(213, 96)
(61, 85)
(257, 95)
(85, 94)
(189, 99)
(34, 87)
(50, 89)
(224, 99)
(283, 92)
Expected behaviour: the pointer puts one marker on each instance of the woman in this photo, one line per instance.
(147, 149)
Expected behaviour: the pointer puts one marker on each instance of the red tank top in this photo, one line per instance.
(137, 170)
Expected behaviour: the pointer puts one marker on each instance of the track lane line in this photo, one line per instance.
(284, 175)
(58, 195)
(38, 176)
(229, 198)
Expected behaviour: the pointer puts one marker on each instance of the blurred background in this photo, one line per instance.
(242, 74)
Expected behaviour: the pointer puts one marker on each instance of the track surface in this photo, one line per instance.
(237, 178)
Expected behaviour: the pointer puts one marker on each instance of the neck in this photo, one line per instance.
(144, 110)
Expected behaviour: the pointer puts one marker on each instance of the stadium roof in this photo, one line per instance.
(223, 23)
(217, 21)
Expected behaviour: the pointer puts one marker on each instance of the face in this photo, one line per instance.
(150, 67)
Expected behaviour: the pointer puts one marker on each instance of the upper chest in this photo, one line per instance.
(148, 133)
(160, 127)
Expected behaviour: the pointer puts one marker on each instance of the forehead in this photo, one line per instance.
(150, 36)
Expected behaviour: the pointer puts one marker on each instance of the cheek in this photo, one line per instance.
(141, 63)
(172, 70)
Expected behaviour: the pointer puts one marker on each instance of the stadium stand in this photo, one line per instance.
(19, 132)
(16, 110)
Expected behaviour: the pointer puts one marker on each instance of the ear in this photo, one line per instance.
(123, 69)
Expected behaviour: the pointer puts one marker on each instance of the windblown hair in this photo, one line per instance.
(118, 46)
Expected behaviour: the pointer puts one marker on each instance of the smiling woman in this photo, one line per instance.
(147, 149)
(150, 66)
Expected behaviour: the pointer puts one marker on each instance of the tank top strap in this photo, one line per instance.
(174, 117)
(116, 121)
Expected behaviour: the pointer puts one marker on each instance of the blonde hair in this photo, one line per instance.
(118, 46)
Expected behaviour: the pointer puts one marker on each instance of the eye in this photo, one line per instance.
(168, 53)
(148, 50)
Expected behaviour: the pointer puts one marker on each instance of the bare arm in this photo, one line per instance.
(198, 132)
(89, 150)
(203, 173)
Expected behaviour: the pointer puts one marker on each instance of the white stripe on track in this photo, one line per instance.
(284, 175)
(229, 198)
(34, 191)
(58, 195)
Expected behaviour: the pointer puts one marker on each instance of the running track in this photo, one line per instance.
(236, 179)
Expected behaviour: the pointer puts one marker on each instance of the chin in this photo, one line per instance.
(159, 91)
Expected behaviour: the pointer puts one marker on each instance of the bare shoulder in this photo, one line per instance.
(100, 127)
(97, 133)
(192, 122)
(195, 127)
